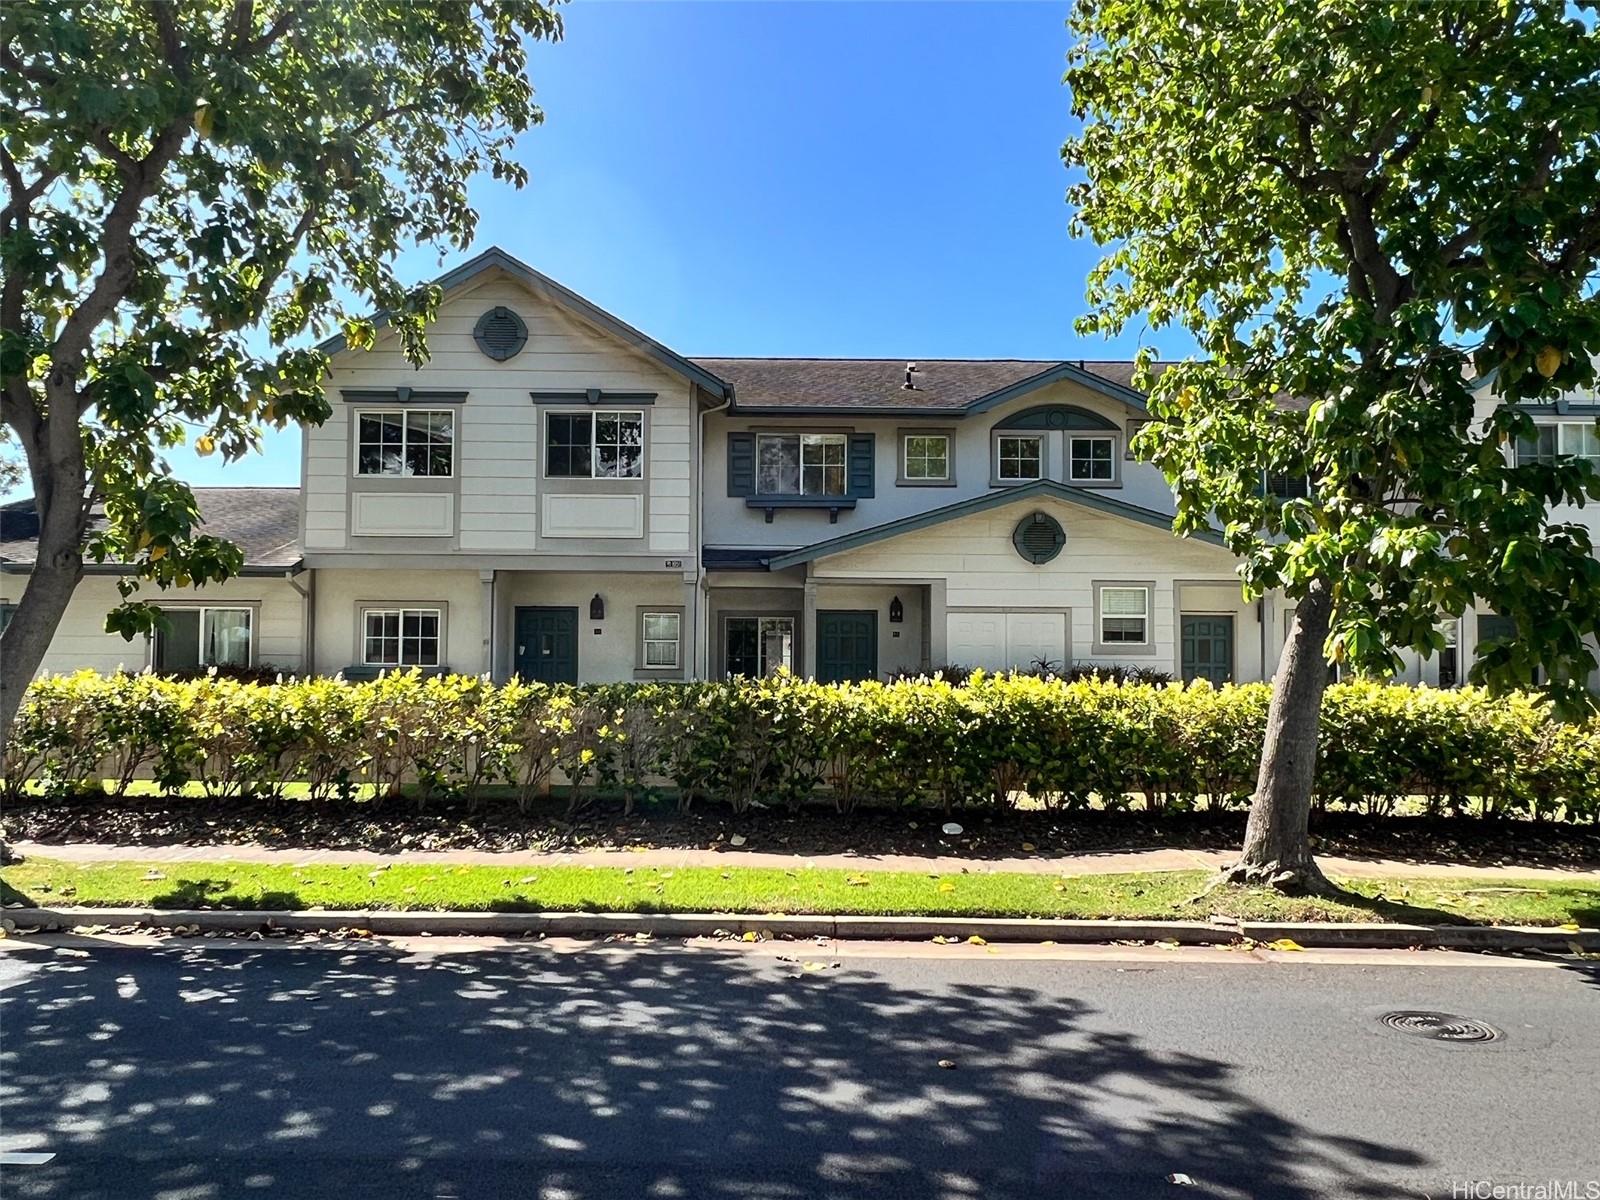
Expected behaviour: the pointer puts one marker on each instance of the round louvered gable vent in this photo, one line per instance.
(1039, 537)
(500, 333)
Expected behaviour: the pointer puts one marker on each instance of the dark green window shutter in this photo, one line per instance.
(741, 464)
(861, 459)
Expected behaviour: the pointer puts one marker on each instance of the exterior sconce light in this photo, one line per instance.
(897, 611)
(597, 608)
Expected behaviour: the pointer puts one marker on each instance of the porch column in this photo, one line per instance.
(808, 630)
(486, 605)
(938, 626)
(689, 652)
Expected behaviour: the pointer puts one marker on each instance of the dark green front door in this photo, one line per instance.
(1208, 648)
(847, 646)
(547, 644)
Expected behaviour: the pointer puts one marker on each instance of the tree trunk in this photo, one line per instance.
(1277, 841)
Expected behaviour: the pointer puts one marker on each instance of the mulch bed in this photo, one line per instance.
(399, 825)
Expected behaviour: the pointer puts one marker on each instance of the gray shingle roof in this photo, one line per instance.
(942, 384)
(264, 522)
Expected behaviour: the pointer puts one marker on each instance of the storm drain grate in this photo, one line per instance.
(1441, 1027)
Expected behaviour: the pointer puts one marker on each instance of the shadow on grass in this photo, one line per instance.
(378, 1070)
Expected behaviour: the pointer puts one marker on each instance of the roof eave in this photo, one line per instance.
(977, 504)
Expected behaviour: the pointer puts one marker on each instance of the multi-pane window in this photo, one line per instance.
(1572, 439)
(1581, 439)
(1538, 447)
(1089, 459)
(405, 442)
(1019, 456)
(597, 445)
(758, 646)
(800, 464)
(1125, 616)
(400, 637)
(927, 457)
(1284, 486)
(196, 638)
(663, 639)
(1450, 655)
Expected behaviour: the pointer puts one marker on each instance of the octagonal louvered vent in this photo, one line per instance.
(1039, 537)
(500, 333)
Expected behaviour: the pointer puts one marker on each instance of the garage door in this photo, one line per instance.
(999, 640)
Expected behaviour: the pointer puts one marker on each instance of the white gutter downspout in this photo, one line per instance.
(702, 652)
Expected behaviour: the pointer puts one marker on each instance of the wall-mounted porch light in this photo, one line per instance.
(597, 608)
(897, 611)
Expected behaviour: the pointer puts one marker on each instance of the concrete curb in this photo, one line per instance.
(1190, 933)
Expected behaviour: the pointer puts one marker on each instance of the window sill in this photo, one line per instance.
(1094, 483)
(833, 504)
(935, 483)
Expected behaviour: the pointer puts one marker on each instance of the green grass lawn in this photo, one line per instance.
(1156, 895)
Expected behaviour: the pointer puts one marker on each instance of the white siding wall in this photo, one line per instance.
(983, 571)
(81, 641)
(607, 649)
(731, 522)
(498, 460)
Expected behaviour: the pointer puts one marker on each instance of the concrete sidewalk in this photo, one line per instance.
(1165, 859)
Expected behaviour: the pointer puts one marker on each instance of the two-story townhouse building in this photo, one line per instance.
(556, 495)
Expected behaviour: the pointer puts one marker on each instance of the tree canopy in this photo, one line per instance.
(1382, 210)
(192, 190)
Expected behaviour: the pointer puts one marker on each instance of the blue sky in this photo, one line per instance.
(872, 179)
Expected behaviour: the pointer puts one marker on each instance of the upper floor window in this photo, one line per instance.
(1575, 439)
(926, 457)
(595, 445)
(196, 638)
(800, 464)
(1090, 460)
(1019, 456)
(405, 442)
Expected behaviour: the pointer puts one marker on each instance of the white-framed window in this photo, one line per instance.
(405, 441)
(755, 647)
(925, 457)
(605, 444)
(401, 637)
(1019, 456)
(1124, 616)
(1090, 459)
(662, 634)
(800, 464)
(199, 636)
(1572, 439)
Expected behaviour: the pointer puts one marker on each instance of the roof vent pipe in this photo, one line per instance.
(911, 369)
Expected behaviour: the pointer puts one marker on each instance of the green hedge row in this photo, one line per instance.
(783, 741)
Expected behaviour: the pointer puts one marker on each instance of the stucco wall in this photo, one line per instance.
(342, 593)
(278, 622)
(608, 650)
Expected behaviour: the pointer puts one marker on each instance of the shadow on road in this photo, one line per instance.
(639, 1071)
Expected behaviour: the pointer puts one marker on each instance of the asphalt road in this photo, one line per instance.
(219, 1071)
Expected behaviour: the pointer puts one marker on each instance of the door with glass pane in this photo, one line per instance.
(754, 647)
(196, 638)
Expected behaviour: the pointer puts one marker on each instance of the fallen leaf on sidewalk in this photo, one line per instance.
(975, 940)
(941, 940)
(1285, 944)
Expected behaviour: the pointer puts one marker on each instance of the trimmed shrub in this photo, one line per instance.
(987, 740)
